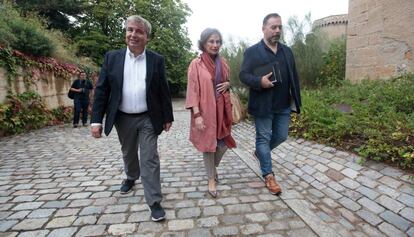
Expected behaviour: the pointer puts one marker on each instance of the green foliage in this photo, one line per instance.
(170, 37)
(307, 49)
(380, 125)
(333, 68)
(6, 35)
(100, 29)
(23, 112)
(61, 115)
(56, 12)
(30, 40)
(234, 55)
(94, 45)
(8, 62)
(22, 34)
(27, 111)
(29, 35)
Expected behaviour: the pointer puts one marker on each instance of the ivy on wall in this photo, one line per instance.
(27, 111)
(32, 67)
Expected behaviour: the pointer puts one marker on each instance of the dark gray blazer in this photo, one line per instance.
(108, 90)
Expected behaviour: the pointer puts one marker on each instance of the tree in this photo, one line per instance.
(56, 12)
(96, 26)
(306, 49)
(100, 28)
(334, 64)
(233, 53)
(169, 37)
(103, 20)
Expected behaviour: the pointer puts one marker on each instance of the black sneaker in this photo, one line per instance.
(127, 186)
(157, 212)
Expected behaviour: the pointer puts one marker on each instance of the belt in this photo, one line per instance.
(132, 114)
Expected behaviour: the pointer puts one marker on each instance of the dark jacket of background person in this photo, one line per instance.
(85, 85)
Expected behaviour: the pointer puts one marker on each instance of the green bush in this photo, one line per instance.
(23, 112)
(379, 126)
(29, 35)
(30, 40)
(61, 115)
(307, 49)
(308, 57)
(233, 53)
(24, 34)
(332, 71)
(27, 111)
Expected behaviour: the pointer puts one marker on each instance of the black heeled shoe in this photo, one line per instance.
(213, 194)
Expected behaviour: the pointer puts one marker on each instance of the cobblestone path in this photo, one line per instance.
(59, 181)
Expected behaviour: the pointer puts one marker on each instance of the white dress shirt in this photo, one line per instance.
(134, 96)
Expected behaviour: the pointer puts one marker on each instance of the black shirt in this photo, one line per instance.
(280, 91)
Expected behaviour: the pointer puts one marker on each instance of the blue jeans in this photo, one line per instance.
(271, 131)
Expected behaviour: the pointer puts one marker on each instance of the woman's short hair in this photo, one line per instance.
(140, 20)
(205, 35)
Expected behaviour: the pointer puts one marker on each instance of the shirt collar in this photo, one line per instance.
(279, 46)
(132, 56)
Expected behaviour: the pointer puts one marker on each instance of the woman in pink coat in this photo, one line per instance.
(208, 98)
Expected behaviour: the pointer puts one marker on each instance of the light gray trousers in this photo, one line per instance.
(212, 160)
(135, 133)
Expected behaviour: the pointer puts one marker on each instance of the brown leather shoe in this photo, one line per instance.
(272, 185)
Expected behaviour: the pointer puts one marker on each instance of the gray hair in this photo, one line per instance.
(140, 20)
(205, 35)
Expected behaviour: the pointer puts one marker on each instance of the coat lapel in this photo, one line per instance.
(120, 63)
(150, 68)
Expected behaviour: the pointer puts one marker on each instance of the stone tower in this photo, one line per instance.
(380, 39)
(332, 26)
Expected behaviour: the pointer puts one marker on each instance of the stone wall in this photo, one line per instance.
(380, 39)
(53, 90)
(332, 26)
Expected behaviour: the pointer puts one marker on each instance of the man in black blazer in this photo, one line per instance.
(270, 101)
(132, 91)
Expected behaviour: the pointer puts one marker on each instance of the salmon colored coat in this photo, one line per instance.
(200, 92)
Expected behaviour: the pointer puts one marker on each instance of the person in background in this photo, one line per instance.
(133, 92)
(271, 103)
(208, 99)
(81, 87)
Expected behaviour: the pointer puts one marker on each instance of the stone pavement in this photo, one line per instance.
(58, 181)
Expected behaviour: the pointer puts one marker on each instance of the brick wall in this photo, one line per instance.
(380, 39)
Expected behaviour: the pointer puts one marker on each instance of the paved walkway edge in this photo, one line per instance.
(299, 206)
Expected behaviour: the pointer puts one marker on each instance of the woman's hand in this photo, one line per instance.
(223, 87)
(199, 123)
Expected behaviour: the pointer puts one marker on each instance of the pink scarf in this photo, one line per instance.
(223, 103)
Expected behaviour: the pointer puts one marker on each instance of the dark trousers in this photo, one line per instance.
(80, 106)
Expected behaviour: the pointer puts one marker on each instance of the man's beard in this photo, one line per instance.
(274, 39)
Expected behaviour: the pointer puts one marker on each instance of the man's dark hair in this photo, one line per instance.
(269, 16)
